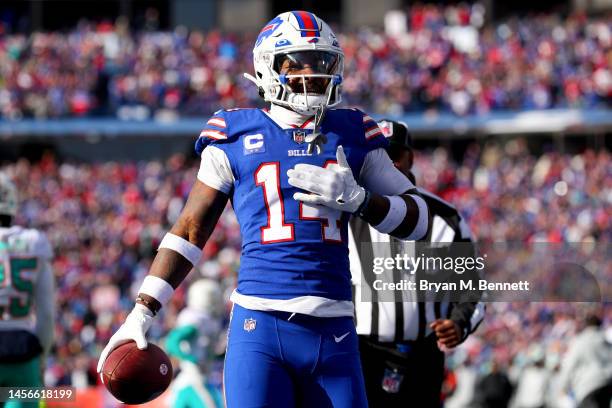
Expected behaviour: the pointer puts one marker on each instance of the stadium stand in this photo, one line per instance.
(536, 62)
(105, 220)
(106, 217)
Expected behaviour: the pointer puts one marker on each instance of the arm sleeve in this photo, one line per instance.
(44, 296)
(379, 175)
(215, 170)
(407, 216)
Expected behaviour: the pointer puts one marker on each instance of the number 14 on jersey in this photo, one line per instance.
(267, 176)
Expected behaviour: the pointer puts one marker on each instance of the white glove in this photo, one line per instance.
(136, 325)
(334, 187)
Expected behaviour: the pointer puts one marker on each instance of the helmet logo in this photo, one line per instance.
(313, 40)
(268, 30)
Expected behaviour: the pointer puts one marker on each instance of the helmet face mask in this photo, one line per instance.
(298, 63)
(320, 62)
(320, 66)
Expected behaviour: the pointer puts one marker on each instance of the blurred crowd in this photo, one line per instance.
(105, 221)
(517, 358)
(510, 195)
(433, 58)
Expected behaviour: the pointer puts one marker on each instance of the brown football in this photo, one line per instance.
(137, 376)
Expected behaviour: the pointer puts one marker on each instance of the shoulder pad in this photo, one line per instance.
(36, 243)
(217, 129)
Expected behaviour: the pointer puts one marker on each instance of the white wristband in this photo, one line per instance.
(395, 216)
(191, 252)
(157, 288)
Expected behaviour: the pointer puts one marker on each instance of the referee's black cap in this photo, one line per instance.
(396, 132)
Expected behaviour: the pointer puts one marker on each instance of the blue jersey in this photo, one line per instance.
(289, 249)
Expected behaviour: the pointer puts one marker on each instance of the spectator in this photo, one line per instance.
(586, 370)
(104, 221)
(494, 389)
(447, 60)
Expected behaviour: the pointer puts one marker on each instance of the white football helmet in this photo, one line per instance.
(205, 295)
(298, 40)
(8, 196)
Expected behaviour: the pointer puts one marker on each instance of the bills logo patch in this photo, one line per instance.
(268, 30)
(299, 136)
(249, 324)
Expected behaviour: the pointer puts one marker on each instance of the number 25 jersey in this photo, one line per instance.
(22, 253)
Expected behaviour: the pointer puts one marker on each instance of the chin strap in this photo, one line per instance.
(251, 78)
(316, 139)
(260, 89)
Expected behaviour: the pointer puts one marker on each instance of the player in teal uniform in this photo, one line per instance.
(27, 299)
(193, 342)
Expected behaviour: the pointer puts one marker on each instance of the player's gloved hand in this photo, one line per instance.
(135, 327)
(334, 187)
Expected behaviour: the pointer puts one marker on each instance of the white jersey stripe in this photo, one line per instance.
(213, 134)
(373, 133)
(219, 122)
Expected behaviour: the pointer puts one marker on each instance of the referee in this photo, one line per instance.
(401, 338)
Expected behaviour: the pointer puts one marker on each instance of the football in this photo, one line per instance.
(136, 376)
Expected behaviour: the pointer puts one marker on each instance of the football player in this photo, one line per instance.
(294, 174)
(193, 342)
(27, 298)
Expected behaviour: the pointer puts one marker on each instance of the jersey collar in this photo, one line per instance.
(288, 119)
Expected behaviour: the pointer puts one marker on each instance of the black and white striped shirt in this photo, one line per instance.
(404, 315)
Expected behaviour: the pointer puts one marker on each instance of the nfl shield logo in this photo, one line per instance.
(391, 381)
(299, 136)
(386, 127)
(249, 324)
